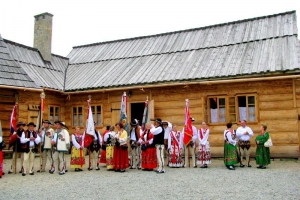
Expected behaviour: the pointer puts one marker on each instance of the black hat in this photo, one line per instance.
(31, 124)
(20, 124)
(192, 119)
(61, 123)
(158, 120)
(47, 121)
(134, 123)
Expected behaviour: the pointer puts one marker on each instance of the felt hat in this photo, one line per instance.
(61, 123)
(31, 124)
(47, 121)
(21, 124)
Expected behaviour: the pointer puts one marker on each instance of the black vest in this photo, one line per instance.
(18, 141)
(95, 145)
(25, 146)
(159, 138)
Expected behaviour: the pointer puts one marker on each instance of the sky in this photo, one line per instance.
(81, 22)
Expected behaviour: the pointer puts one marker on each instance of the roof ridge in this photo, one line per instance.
(185, 50)
(187, 30)
(60, 56)
(21, 45)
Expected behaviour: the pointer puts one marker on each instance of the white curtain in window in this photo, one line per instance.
(242, 113)
(214, 115)
(222, 115)
(251, 111)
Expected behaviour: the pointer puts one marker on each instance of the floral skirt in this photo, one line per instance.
(77, 160)
(204, 156)
(262, 155)
(175, 159)
(230, 154)
(149, 158)
(109, 156)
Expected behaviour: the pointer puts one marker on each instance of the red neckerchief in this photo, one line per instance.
(202, 133)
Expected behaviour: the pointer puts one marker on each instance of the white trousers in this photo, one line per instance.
(186, 155)
(47, 154)
(160, 156)
(28, 157)
(94, 159)
(135, 158)
(61, 157)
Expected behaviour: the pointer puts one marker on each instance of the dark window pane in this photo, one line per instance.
(242, 101)
(251, 100)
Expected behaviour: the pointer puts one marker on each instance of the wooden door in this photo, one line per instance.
(115, 113)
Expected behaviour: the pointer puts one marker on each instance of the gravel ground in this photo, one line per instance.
(279, 181)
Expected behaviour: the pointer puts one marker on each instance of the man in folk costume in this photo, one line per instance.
(158, 140)
(94, 149)
(244, 133)
(29, 139)
(61, 144)
(190, 148)
(16, 144)
(135, 133)
(204, 156)
(46, 135)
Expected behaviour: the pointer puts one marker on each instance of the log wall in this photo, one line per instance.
(278, 105)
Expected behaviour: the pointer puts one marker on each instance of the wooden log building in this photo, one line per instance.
(246, 69)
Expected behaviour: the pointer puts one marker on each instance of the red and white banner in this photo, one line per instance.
(89, 133)
(13, 120)
(188, 131)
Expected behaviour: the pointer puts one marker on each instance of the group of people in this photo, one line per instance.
(237, 145)
(149, 145)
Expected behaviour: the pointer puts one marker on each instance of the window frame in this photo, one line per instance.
(54, 112)
(228, 105)
(101, 114)
(247, 115)
(77, 116)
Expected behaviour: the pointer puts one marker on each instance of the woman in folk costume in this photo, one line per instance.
(120, 159)
(231, 156)
(110, 143)
(262, 152)
(77, 153)
(175, 145)
(61, 144)
(2, 146)
(204, 157)
(149, 158)
(103, 147)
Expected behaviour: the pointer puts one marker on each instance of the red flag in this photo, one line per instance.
(13, 120)
(188, 131)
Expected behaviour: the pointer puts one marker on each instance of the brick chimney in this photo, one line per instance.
(43, 34)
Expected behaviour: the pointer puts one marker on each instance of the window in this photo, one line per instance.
(222, 109)
(217, 107)
(247, 107)
(54, 113)
(96, 110)
(77, 116)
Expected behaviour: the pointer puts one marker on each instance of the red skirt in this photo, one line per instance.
(120, 159)
(103, 157)
(1, 163)
(149, 158)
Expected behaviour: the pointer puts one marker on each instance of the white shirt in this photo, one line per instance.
(110, 133)
(1, 139)
(240, 133)
(229, 138)
(168, 130)
(132, 135)
(31, 143)
(75, 143)
(155, 130)
(205, 136)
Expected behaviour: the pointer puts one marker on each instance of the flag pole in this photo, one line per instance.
(16, 154)
(43, 96)
(89, 104)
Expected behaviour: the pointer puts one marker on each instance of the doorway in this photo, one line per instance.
(137, 111)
